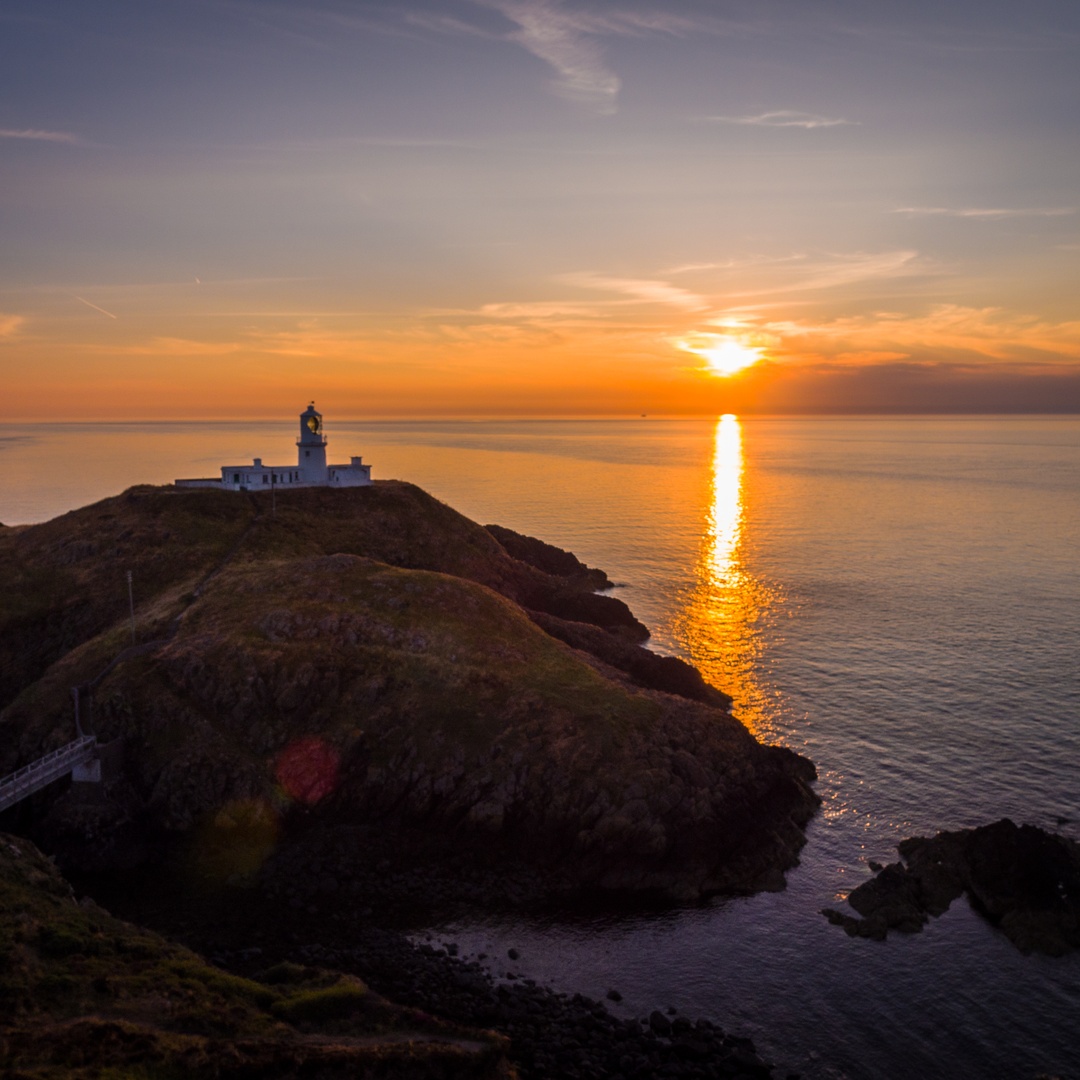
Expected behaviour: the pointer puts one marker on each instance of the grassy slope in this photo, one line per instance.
(83, 994)
(63, 582)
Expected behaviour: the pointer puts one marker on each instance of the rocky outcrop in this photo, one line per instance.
(667, 673)
(1023, 880)
(549, 558)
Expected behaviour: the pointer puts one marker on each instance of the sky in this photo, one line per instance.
(538, 207)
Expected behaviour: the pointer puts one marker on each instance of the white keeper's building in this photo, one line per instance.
(310, 470)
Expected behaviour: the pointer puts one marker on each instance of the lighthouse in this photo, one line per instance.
(311, 469)
(311, 446)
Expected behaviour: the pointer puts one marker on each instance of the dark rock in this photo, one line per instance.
(659, 1023)
(1022, 879)
(583, 607)
(646, 668)
(894, 896)
(690, 1048)
(614, 995)
(552, 560)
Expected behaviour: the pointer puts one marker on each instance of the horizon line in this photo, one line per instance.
(552, 417)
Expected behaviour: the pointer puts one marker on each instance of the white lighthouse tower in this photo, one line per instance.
(311, 456)
(311, 469)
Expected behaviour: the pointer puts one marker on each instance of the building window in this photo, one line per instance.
(266, 479)
(236, 478)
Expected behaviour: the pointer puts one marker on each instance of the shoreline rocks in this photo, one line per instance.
(1021, 879)
(317, 925)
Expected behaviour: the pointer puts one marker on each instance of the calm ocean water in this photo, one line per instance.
(899, 599)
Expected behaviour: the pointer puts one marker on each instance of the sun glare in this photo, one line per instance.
(723, 355)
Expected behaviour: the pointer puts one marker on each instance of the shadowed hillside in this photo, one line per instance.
(375, 656)
(84, 995)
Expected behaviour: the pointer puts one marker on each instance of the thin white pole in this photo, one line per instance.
(131, 605)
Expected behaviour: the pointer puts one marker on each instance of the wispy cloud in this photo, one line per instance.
(740, 263)
(805, 273)
(859, 266)
(990, 332)
(542, 309)
(9, 325)
(95, 307)
(637, 303)
(985, 212)
(38, 135)
(786, 118)
(644, 289)
(445, 24)
(565, 39)
(549, 32)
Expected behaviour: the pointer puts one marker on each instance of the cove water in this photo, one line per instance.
(897, 599)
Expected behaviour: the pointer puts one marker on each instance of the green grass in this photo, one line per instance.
(328, 1003)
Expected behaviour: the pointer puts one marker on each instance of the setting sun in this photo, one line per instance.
(722, 355)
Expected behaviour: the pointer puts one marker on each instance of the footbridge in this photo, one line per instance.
(77, 756)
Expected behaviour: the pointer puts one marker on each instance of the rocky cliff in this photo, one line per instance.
(371, 655)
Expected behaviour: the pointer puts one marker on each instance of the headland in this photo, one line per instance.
(360, 701)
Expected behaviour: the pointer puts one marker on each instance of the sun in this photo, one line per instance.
(722, 355)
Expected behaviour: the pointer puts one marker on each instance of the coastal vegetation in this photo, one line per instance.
(410, 670)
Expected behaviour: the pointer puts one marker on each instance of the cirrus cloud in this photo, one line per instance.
(986, 213)
(37, 135)
(786, 118)
(565, 39)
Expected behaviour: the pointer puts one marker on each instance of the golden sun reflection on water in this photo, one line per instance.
(720, 625)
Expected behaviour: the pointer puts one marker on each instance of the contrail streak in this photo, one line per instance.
(95, 307)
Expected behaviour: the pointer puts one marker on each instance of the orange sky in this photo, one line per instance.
(536, 207)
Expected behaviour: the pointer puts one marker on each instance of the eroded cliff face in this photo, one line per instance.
(374, 658)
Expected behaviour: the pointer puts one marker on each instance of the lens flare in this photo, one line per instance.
(307, 770)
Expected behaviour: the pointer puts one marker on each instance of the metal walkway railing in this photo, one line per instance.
(33, 777)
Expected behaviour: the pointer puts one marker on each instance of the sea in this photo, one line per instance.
(896, 598)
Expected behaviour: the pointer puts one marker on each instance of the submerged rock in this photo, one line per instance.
(1023, 880)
